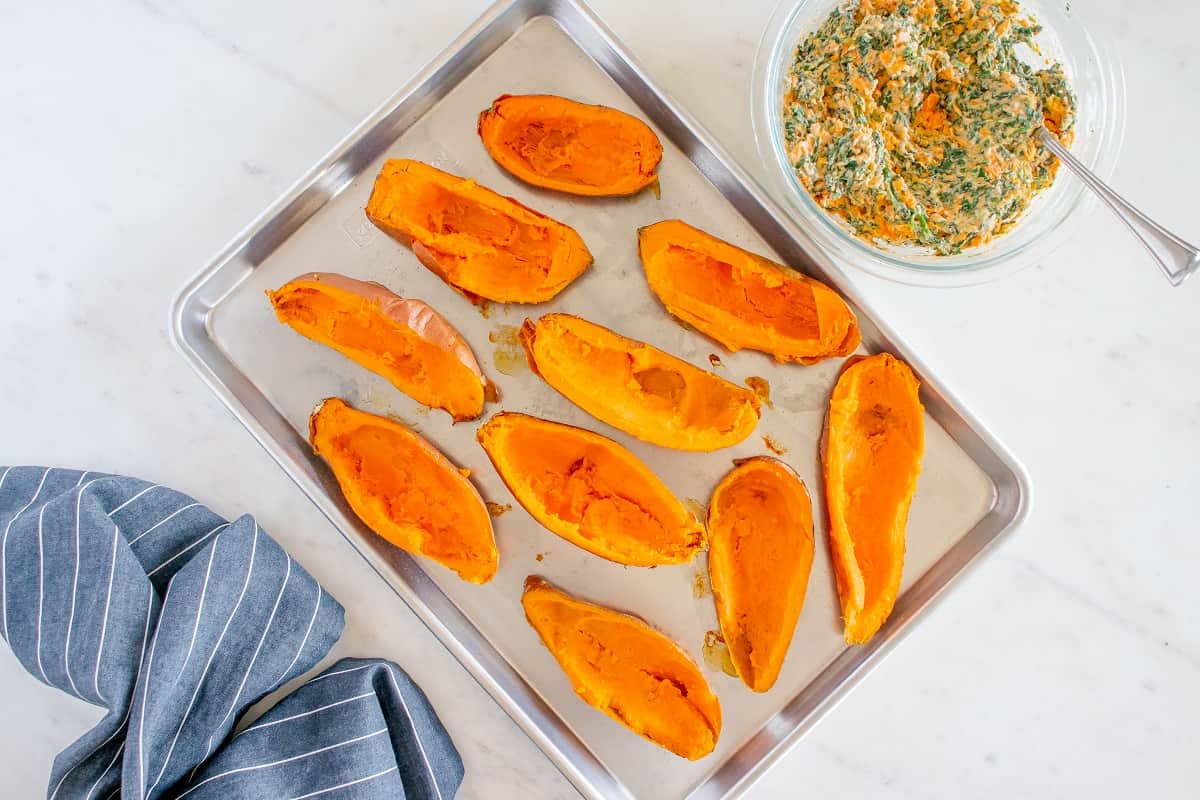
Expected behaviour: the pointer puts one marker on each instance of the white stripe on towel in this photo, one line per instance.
(96, 785)
(41, 595)
(162, 521)
(120, 728)
(303, 641)
(150, 488)
(4, 551)
(208, 665)
(412, 723)
(112, 569)
(254, 658)
(260, 726)
(344, 785)
(342, 672)
(288, 760)
(199, 541)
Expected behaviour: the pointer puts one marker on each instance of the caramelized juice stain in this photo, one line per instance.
(394, 417)
(716, 653)
(701, 586)
(774, 446)
(715, 360)
(509, 355)
(685, 326)
(496, 509)
(761, 388)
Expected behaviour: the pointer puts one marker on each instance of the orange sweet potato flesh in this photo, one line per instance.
(406, 491)
(404, 340)
(620, 665)
(485, 245)
(591, 491)
(569, 146)
(874, 440)
(744, 300)
(636, 387)
(760, 526)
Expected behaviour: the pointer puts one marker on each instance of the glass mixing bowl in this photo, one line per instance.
(1094, 73)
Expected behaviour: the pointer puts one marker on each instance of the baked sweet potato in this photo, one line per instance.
(485, 245)
(406, 491)
(636, 387)
(760, 526)
(620, 665)
(874, 440)
(404, 340)
(591, 491)
(569, 146)
(744, 300)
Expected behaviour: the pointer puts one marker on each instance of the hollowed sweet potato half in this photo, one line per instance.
(404, 340)
(760, 526)
(591, 491)
(569, 146)
(636, 387)
(620, 665)
(405, 490)
(484, 244)
(744, 300)
(874, 440)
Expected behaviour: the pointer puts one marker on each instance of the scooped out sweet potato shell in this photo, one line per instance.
(402, 339)
(405, 490)
(636, 387)
(568, 146)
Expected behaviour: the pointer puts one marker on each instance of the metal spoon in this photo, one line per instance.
(1177, 258)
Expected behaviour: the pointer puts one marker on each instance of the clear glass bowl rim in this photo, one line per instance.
(1034, 236)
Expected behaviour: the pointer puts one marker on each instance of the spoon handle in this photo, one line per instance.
(1177, 258)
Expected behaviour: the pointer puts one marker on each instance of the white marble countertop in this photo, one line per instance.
(138, 137)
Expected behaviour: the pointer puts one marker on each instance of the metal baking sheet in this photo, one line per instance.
(971, 491)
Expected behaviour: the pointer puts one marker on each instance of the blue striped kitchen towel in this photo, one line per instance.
(136, 598)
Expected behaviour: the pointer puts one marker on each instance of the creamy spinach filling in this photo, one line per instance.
(916, 120)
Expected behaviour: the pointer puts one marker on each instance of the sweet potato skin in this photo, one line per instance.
(760, 555)
(591, 491)
(742, 299)
(402, 339)
(623, 667)
(636, 387)
(485, 245)
(568, 146)
(872, 447)
(388, 474)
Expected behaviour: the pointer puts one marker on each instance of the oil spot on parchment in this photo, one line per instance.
(509, 355)
(701, 587)
(716, 653)
(391, 414)
(813, 397)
